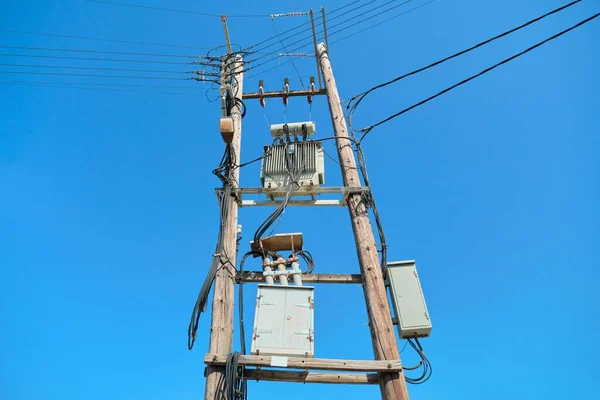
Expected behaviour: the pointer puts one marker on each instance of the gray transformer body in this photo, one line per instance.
(305, 156)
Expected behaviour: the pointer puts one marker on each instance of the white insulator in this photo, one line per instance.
(295, 129)
(296, 273)
(282, 278)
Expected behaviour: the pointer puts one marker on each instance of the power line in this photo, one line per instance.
(310, 29)
(317, 18)
(96, 51)
(56, 86)
(361, 96)
(535, 46)
(290, 57)
(95, 76)
(382, 22)
(178, 11)
(100, 39)
(343, 29)
(332, 34)
(371, 17)
(96, 68)
(105, 84)
(104, 59)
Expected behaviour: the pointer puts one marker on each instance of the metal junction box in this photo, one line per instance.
(283, 322)
(408, 300)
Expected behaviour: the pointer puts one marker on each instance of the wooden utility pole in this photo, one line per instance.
(392, 385)
(221, 325)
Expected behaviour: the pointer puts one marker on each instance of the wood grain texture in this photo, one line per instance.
(221, 324)
(310, 377)
(325, 364)
(385, 347)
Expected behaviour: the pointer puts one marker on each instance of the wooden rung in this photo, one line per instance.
(257, 277)
(311, 363)
(310, 377)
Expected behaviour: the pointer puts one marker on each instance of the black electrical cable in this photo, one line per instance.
(309, 39)
(238, 102)
(95, 76)
(370, 128)
(381, 22)
(310, 42)
(290, 57)
(232, 385)
(75, 86)
(310, 36)
(241, 297)
(294, 168)
(367, 198)
(369, 202)
(225, 173)
(105, 85)
(317, 18)
(100, 39)
(427, 368)
(95, 68)
(107, 59)
(265, 154)
(362, 95)
(179, 11)
(308, 258)
(96, 51)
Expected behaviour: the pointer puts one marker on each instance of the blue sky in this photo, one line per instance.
(108, 218)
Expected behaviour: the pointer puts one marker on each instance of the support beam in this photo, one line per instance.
(276, 196)
(324, 364)
(291, 93)
(303, 191)
(221, 324)
(257, 277)
(293, 203)
(310, 377)
(385, 347)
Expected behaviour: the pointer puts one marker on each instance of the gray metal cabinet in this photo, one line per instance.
(283, 322)
(408, 300)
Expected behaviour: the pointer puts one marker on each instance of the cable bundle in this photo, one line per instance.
(232, 385)
(427, 368)
(224, 173)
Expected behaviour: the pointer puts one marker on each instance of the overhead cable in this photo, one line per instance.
(309, 29)
(100, 39)
(96, 51)
(96, 76)
(361, 96)
(105, 84)
(535, 46)
(381, 22)
(309, 42)
(290, 57)
(179, 11)
(95, 68)
(106, 59)
(75, 86)
(334, 26)
(299, 26)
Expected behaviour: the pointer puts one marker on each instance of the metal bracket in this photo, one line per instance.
(312, 192)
